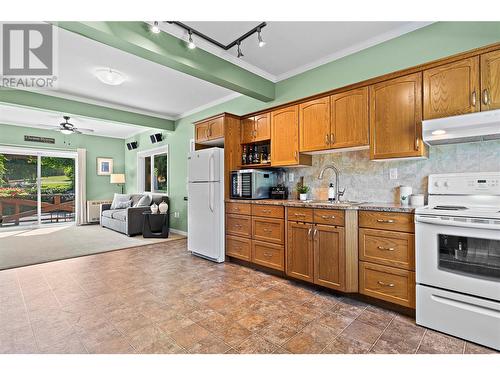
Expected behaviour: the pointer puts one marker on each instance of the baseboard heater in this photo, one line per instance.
(94, 210)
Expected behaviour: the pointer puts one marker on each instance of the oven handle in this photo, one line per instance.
(452, 223)
(483, 310)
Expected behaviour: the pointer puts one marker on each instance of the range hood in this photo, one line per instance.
(479, 126)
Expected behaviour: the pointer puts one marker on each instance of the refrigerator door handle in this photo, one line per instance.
(211, 167)
(210, 198)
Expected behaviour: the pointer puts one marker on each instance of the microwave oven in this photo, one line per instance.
(252, 184)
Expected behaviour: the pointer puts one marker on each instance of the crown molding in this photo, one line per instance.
(213, 103)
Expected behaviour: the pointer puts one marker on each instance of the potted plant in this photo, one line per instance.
(302, 190)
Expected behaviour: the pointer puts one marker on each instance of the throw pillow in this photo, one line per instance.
(119, 198)
(145, 201)
(121, 205)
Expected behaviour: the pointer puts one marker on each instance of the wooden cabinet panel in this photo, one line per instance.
(329, 256)
(239, 225)
(349, 119)
(299, 251)
(329, 217)
(397, 221)
(247, 130)
(285, 136)
(270, 230)
(396, 118)
(268, 255)
(300, 214)
(216, 128)
(262, 127)
(388, 248)
(387, 283)
(201, 132)
(238, 208)
(452, 89)
(490, 81)
(266, 210)
(314, 124)
(238, 247)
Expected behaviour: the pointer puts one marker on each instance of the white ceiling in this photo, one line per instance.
(34, 118)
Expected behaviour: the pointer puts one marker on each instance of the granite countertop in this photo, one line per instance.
(363, 206)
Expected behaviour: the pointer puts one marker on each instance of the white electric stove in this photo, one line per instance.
(458, 257)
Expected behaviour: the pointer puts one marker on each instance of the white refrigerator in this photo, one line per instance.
(206, 203)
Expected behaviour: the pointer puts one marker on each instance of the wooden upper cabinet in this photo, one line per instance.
(247, 130)
(452, 89)
(349, 119)
(396, 118)
(490, 81)
(285, 138)
(299, 251)
(201, 132)
(329, 256)
(216, 128)
(314, 124)
(262, 127)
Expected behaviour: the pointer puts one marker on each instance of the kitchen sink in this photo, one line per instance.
(334, 203)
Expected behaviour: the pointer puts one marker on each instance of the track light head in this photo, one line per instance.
(240, 54)
(262, 43)
(191, 44)
(155, 28)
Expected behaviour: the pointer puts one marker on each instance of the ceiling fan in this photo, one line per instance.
(66, 127)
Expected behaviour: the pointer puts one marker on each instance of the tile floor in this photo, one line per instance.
(160, 299)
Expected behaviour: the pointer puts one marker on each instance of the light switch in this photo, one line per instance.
(393, 173)
(291, 177)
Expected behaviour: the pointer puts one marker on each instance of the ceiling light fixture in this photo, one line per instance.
(109, 76)
(240, 54)
(155, 28)
(439, 132)
(191, 44)
(66, 131)
(261, 41)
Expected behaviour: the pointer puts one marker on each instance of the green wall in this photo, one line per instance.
(432, 42)
(98, 187)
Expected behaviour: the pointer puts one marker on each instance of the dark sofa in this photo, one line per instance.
(129, 220)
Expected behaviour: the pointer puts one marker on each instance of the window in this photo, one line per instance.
(152, 170)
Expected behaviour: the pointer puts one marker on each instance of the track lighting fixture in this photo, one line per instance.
(191, 44)
(240, 54)
(155, 28)
(261, 41)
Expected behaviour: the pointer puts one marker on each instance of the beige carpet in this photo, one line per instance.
(25, 247)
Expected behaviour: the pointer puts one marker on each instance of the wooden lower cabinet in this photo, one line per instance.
(299, 252)
(269, 230)
(391, 221)
(268, 255)
(239, 225)
(387, 283)
(238, 247)
(329, 256)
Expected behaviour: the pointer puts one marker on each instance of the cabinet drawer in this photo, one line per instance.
(387, 283)
(238, 208)
(329, 217)
(238, 247)
(270, 230)
(400, 222)
(238, 225)
(268, 211)
(300, 214)
(389, 248)
(268, 255)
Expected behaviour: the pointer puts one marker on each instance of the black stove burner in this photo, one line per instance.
(450, 208)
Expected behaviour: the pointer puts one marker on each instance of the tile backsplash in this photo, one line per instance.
(367, 180)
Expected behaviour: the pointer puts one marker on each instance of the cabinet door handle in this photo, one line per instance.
(327, 217)
(309, 232)
(388, 221)
(390, 285)
(295, 155)
(237, 226)
(315, 232)
(386, 248)
(417, 143)
(486, 97)
(332, 138)
(236, 209)
(473, 98)
(266, 211)
(296, 214)
(327, 139)
(267, 230)
(266, 254)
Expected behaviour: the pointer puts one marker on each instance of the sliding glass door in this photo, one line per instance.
(36, 188)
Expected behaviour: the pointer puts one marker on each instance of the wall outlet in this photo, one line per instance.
(291, 177)
(393, 173)
(176, 214)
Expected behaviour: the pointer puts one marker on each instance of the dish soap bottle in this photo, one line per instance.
(331, 193)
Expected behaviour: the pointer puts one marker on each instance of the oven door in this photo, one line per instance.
(458, 255)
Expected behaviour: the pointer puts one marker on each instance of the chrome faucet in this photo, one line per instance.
(337, 173)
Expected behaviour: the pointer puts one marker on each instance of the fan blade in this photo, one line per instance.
(86, 130)
(77, 131)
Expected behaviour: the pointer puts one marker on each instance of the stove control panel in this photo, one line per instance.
(487, 183)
